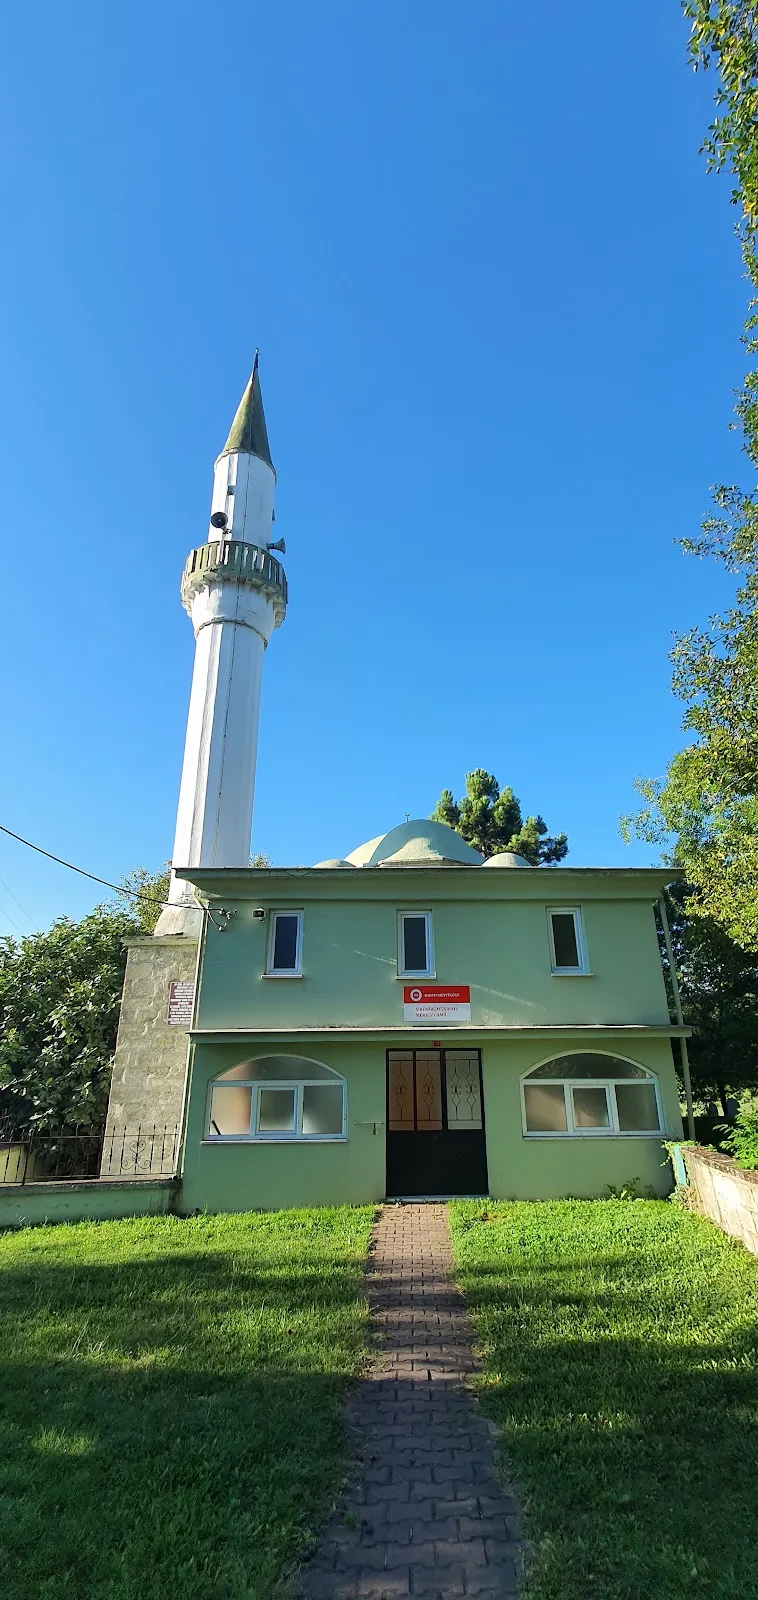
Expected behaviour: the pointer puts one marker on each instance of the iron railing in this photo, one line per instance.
(34, 1155)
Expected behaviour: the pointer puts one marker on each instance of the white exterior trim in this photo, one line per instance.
(583, 969)
(415, 972)
(284, 972)
(290, 1135)
(612, 1131)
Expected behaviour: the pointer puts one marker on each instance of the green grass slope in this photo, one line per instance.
(621, 1349)
(170, 1397)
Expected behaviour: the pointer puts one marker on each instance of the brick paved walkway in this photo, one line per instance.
(427, 1516)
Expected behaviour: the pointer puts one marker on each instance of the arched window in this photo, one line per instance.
(277, 1098)
(590, 1093)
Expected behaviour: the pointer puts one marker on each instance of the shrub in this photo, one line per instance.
(742, 1141)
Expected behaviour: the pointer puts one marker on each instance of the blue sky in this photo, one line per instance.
(499, 304)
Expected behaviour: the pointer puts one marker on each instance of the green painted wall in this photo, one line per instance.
(241, 1177)
(28, 1205)
(545, 1169)
(237, 1177)
(489, 933)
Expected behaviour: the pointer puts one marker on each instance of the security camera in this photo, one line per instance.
(259, 913)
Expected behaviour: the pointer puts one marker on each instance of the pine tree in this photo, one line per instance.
(490, 819)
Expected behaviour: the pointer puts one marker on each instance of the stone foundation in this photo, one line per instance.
(726, 1193)
(151, 1053)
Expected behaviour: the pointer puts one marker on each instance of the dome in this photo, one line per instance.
(507, 858)
(421, 843)
(333, 862)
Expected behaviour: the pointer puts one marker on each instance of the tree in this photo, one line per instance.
(143, 893)
(490, 819)
(60, 997)
(718, 981)
(708, 800)
(60, 994)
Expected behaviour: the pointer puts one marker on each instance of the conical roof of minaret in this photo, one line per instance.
(248, 431)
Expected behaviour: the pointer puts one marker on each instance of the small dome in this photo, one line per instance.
(506, 858)
(333, 862)
(421, 843)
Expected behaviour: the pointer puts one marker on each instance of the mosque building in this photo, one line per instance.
(408, 1020)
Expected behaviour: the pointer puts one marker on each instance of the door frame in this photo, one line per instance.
(414, 1049)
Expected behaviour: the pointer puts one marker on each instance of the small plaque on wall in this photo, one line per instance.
(180, 996)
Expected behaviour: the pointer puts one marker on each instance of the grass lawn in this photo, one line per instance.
(621, 1349)
(170, 1397)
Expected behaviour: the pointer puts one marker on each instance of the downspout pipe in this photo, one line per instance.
(679, 1017)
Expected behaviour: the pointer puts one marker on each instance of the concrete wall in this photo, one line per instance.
(725, 1193)
(240, 1176)
(97, 1200)
(150, 1061)
(490, 934)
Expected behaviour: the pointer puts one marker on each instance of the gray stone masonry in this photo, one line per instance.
(726, 1193)
(428, 1516)
(151, 1056)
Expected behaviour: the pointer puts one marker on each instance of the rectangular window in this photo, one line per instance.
(428, 1090)
(433, 1091)
(414, 955)
(257, 1111)
(400, 1092)
(230, 1111)
(276, 1110)
(637, 1107)
(285, 949)
(545, 1105)
(567, 946)
(590, 1106)
(591, 1109)
(322, 1109)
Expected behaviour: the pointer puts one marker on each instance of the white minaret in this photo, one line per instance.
(235, 592)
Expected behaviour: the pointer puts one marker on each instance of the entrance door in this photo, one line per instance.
(435, 1122)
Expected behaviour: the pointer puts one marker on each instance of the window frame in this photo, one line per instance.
(284, 972)
(292, 1135)
(414, 972)
(583, 969)
(613, 1131)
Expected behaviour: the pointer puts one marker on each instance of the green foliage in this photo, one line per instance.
(620, 1362)
(60, 996)
(490, 819)
(725, 32)
(708, 800)
(631, 1190)
(718, 982)
(171, 1406)
(742, 1140)
(143, 892)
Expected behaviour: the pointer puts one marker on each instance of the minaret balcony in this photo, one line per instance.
(231, 561)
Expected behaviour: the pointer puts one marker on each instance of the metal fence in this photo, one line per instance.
(33, 1155)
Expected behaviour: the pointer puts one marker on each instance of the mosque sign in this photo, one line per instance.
(435, 1002)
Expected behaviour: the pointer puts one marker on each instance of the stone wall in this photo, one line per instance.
(725, 1193)
(151, 1053)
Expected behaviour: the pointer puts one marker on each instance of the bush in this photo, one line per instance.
(742, 1141)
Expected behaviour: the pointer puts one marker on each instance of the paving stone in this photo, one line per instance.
(432, 1520)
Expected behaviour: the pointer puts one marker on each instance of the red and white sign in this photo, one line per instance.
(436, 1002)
(180, 996)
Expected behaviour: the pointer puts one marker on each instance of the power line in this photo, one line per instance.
(136, 894)
(12, 922)
(19, 903)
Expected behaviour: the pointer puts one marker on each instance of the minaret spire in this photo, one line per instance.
(235, 593)
(248, 435)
